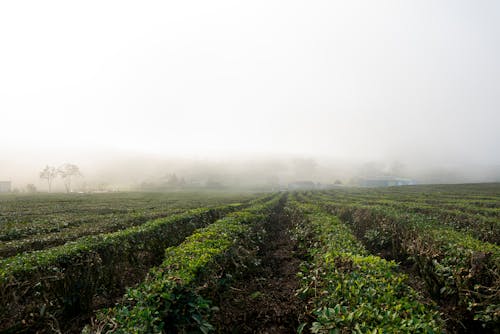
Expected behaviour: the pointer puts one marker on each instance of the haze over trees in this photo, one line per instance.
(250, 166)
(67, 172)
(49, 173)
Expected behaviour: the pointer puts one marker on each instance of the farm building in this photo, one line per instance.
(385, 181)
(5, 186)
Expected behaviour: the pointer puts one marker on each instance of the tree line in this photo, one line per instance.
(67, 172)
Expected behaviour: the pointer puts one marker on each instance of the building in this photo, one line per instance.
(5, 186)
(385, 181)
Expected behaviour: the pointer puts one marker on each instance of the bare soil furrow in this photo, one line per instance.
(264, 300)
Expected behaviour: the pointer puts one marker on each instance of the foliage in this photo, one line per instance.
(64, 279)
(69, 250)
(352, 291)
(36, 222)
(168, 301)
(459, 270)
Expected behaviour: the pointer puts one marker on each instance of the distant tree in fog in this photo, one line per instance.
(30, 188)
(49, 173)
(67, 173)
(173, 180)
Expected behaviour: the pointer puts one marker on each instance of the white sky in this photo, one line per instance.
(349, 79)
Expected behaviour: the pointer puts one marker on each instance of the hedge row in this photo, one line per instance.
(40, 240)
(456, 267)
(26, 216)
(40, 287)
(168, 300)
(350, 290)
(467, 219)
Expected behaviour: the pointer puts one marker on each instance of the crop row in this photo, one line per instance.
(457, 268)
(40, 237)
(169, 300)
(60, 222)
(37, 218)
(463, 202)
(64, 280)
(481, 227)
(350, 290)
(57, 236)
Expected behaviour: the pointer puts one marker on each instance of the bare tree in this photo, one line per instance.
(67, 173)
(49, 173)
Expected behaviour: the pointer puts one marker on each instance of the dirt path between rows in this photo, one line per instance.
(265, 300)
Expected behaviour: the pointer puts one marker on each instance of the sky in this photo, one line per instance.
(413, 81)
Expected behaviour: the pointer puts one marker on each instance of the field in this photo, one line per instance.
(415, 259)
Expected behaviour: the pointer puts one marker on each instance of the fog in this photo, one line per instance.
(242, 93)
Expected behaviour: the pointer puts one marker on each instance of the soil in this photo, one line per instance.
(265, 301)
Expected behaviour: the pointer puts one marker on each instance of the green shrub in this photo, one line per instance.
(62, 281)
(352, 291)
(168, 301)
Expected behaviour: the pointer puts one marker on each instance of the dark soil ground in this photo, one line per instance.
(265, 301)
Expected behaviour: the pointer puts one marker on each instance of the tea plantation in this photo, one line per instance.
(412, 259)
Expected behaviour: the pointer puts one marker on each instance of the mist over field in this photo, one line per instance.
(265, 166)
(258, 172)
(249, 94)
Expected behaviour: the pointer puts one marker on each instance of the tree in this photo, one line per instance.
(31, 188)
(173, 180)
(67, 173)
(49, 173)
